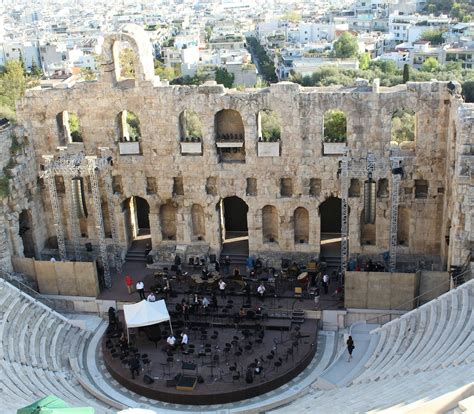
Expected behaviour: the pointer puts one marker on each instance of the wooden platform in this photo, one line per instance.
(220, 376)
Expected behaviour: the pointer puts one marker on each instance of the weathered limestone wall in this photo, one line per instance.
(60, 278)
(375, 290)
(369, 121)
(436, 157)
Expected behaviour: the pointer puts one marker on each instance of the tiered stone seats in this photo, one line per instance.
(437, 334)
(36, 345)
(420, 358)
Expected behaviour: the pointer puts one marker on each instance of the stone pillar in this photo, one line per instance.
(254, 229)
(184, 224)
(5, 254)
(213, 232)
(314, 230)
(155, 228)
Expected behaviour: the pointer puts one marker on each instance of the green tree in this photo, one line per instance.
(13, 83)
(88, 74)
(35, 70)
(335, 126)
(406, 73)
(261, 83)
(364, 61)
(74, 128)
(127, 63)
(133, 124)
(429, 65)
(345, 47)
(403, 126)
(225, 78)
(270, 126)
(435, 37)
(164, 72)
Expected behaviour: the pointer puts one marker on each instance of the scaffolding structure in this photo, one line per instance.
(395, 184)
(71, 166)
(348, 171)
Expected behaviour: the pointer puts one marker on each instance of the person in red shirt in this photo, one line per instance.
(129, 283)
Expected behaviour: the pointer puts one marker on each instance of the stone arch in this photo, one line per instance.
(335, 126)
(403, 228)
(138, 41)
(403, 126)
(168, 220)
(270, 223)
(382, 190)
(25, 231)
(190, 126)
(229, 135)
(128, 126)
(137, 217)
(69, 129)
(228, 124)
(198, 222)
(268, 126)
(330, 213)
(301, 225)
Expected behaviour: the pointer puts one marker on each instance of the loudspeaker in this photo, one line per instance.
(149, 259)
(89, 247)
(147, 379)
(200, 380)
(212, 258)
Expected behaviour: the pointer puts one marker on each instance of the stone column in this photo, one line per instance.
(213, 232)
(253, 229)
(184, 224)
(155, 227)
(5, 254)
(314, 230)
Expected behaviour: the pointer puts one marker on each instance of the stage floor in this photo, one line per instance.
(224, 356)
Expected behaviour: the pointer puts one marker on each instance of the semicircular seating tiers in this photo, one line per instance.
(423, 358)
(37, 346)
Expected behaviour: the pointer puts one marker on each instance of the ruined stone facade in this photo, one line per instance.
(283, 190)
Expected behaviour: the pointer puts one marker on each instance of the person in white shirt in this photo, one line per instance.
(171, 341)
(184, 339)
(205, 302)
(325, 283)
(222, 286)
(151, 297)
(141, 289)
(261, 291)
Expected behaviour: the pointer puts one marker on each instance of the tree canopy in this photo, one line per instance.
(127, 63)
(269, 125)
(223, 77)
(345, 46)
(403, 126)
(335, 126)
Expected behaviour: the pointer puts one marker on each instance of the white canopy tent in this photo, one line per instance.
(146, 313)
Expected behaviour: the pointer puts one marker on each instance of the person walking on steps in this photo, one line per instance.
(141, 289)
(350, 347)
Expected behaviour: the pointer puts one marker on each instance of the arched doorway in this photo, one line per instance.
(137, 223)
(330, 215)
(25, 231)
(233, 223)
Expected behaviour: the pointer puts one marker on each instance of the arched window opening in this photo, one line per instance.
(301, 225)
(269, 126)
(190, 127)
(382, 191)
(168, 221)
(403, 228)
(403, 126)
(125, 61)
(270, 224)
(198, 222)
(230, 136)
(69, 130)
(25, 231)
(129, 127)
(354, 189)
(335, 126)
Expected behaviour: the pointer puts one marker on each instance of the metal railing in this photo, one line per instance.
(29, 291)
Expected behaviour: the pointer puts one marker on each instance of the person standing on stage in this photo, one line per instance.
(151, 297)
(134, 366)
(222, 286)
(325, 283)
(129, 283)
(261, 291)
(184, 339)
(141, 289)
(171, 341)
